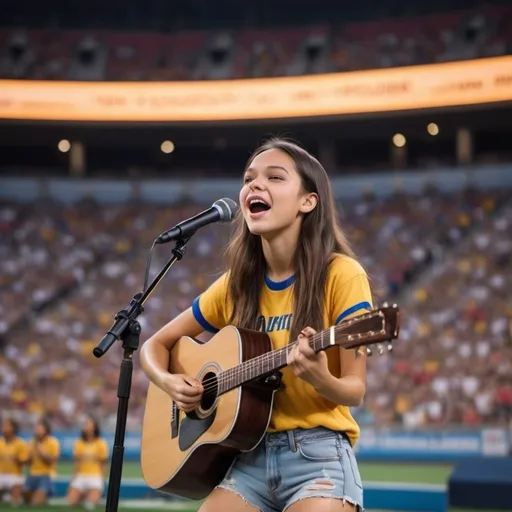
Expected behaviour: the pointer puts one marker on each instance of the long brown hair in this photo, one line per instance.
(320, 237)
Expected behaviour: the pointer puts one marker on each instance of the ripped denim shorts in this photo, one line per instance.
(294, 465)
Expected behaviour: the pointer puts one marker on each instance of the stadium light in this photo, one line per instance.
(399, 140)
(167, 146)
(64, 146)
(432, 129)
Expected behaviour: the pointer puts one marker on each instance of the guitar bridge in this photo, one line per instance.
(175, 420)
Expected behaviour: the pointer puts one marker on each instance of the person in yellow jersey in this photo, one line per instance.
(44, 453)
(13, 454)
(291, 271)
(90, 454)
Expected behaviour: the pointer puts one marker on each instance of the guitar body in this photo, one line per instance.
(189, 455)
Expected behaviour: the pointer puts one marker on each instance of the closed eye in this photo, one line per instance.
(248, 179)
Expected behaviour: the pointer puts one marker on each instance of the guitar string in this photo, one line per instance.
(213, 383)
(225, 378)
(261, 360)
(216, 381)
(212, 387)
(252, 364)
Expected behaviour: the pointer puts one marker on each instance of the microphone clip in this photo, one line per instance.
(181, 248)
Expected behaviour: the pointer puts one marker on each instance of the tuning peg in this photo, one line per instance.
(369, 351)
(390, 346)
(385, 305)
(380, 349)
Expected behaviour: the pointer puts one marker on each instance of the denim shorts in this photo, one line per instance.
(294, 465)
(39, 483)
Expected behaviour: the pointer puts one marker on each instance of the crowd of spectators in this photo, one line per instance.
(453, 361)
(70, 268)
(333, 47)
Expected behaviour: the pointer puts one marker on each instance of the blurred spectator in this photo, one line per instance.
(453, 360)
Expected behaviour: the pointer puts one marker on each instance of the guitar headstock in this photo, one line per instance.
(377, 326)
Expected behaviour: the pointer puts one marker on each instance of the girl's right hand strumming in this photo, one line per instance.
(184, 390)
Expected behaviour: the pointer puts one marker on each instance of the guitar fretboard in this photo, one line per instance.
(376, 326)
(270, 362)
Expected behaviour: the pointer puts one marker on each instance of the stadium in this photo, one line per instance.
(117, 122)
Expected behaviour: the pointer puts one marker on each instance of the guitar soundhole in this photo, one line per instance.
(211, 388)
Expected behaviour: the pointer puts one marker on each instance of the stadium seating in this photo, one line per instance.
(96, 257)
(110, 55)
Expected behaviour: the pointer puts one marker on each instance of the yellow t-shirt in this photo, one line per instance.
(89, 456)
(298, 405)
(12, 455)
(50, 448)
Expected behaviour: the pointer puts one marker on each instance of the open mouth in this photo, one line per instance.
(258, 206)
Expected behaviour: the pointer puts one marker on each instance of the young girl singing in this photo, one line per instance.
(289, 263)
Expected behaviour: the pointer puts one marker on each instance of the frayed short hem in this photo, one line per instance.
(239, 494)
(348, 499)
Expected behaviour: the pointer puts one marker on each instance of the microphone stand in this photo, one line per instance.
(128, 329)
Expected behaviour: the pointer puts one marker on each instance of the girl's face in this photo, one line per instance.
(272, 198)
(39, 430)
(88, 427)
(7, 429)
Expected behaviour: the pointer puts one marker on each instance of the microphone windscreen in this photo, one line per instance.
(227, 208)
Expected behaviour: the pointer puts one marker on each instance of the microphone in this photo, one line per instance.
(223, 210)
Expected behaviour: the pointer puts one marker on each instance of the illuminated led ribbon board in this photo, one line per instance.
(384, 90)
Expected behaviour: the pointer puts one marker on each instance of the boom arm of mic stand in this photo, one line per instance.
(136, 306)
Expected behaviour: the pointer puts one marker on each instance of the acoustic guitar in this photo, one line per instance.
(187, 455)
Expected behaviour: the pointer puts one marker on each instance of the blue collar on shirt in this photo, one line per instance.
(277, 286)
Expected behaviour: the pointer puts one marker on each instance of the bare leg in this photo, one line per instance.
(221, 499)
(74, 496)
(322, 505)
(38, 498)
(16, 494)
(92, 498)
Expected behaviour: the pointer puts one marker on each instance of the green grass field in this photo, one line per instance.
(370, 472)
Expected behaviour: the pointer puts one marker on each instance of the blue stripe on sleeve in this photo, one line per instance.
(201, 320)
(353, 309)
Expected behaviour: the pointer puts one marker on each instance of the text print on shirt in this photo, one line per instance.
(275, 323)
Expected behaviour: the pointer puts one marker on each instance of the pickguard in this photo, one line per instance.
(192, 428)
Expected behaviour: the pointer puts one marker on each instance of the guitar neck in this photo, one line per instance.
(270, 362)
